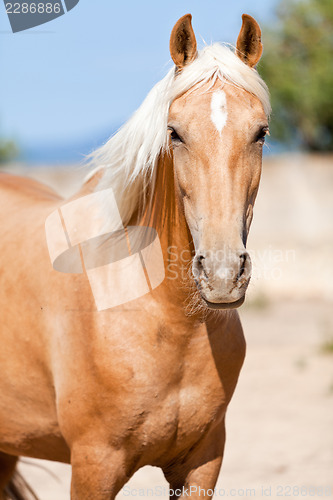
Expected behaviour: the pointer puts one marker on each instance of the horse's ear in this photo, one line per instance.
(249, 46)
(183, 45)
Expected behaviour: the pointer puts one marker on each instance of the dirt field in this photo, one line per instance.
(280, 422)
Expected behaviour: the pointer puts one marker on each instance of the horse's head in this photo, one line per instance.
(217, 130)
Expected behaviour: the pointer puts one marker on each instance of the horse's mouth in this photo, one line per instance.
(224, 305)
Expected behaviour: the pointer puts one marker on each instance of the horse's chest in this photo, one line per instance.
(160, 394)
(182, 408)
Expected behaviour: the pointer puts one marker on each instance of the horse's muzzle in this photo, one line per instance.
(222, 277)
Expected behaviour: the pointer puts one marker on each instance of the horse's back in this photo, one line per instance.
(25, 205)
(25, 189)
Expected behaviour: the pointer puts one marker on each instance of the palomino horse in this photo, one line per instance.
(148, 381)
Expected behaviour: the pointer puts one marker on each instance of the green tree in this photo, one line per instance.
(298, 67)
(8, 150)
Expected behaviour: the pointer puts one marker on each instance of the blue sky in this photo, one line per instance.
(70, 82)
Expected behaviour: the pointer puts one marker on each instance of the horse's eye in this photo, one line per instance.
(260, 137)
(174, 136)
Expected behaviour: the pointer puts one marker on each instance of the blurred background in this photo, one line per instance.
(68, 85)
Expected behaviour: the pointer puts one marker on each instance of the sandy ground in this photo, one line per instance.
(280, 421)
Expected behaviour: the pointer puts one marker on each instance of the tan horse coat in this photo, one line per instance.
(112, 391)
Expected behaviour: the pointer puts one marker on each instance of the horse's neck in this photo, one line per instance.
(166, 215)
(164, 212)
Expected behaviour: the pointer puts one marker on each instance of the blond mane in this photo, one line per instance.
(129, 159)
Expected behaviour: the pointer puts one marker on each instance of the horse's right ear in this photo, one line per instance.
(183, 45)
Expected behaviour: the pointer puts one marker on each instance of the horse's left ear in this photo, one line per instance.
(249, 46)
(183, 45)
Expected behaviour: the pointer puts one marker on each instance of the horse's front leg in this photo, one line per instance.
(195, 475)
(98, 472)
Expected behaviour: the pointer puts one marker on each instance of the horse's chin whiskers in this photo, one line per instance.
(193, 303)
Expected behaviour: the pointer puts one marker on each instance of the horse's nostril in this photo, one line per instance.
(200, 259)
(200, 262)
(243, 259)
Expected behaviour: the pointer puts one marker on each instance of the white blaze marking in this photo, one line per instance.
(218, 108)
